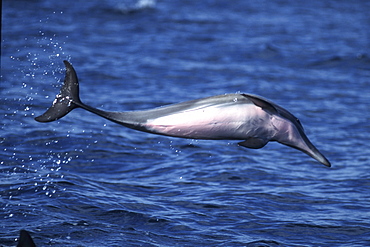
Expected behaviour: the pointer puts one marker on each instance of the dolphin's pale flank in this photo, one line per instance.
(246, 117)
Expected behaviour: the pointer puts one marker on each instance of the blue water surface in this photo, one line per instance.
(85, 181)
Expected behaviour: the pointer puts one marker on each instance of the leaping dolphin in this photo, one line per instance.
(246, 117)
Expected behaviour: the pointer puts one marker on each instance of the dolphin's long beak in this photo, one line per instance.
(314, 153)
(303, 144)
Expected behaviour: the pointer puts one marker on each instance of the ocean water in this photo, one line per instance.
(85, 181)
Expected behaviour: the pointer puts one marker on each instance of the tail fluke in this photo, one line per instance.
(66, 100)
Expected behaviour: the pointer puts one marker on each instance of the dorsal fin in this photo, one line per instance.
(25, 239)
(265, 105)
(272, 108)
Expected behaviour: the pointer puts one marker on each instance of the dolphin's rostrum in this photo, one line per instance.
(246, 117)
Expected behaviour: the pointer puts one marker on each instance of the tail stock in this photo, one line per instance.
(67, 100)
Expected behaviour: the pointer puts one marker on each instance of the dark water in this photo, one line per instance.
(84, 181)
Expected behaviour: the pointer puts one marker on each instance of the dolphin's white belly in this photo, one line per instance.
(225, 121)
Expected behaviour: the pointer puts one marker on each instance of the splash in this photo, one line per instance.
(142, 4)
(135, 7)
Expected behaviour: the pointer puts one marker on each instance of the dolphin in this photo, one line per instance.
(246, 117)
(25, 239)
